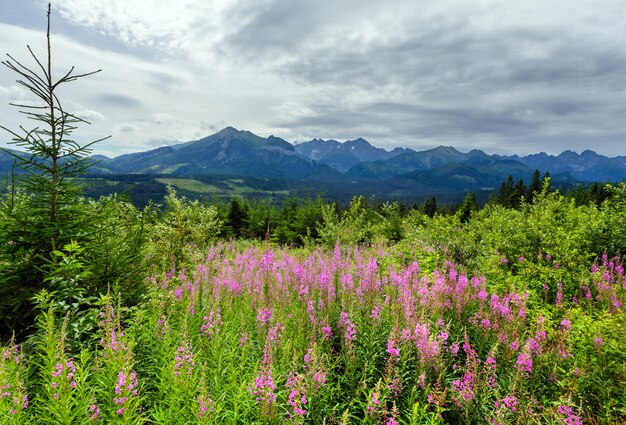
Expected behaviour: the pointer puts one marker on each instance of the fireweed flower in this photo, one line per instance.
(275, 333)
(395, 386)
(267, 259)
(161, 327)
(113, 338)
(510, 402)
(264, 315)
(559, 294)
(428, 348)
(184, 360)
(264, 388)
(297, 396)
(327, 332)
(66, 371)
(373, 404)
(178, 293)
(421, 381)
(205, 405)
(464, 387)
(211, 322)
(93, 412)
(393, 352)
(490, 366)
(568, 415)
(376, 312)
(126, 387)
(524, 363)
(348, 327)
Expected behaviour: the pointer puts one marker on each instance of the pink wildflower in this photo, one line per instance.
(524, 363)
(391, 350)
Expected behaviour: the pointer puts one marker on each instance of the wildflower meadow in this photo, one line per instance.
(265, 334)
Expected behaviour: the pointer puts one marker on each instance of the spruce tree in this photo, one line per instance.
(41, 211)
(430, 206)
(534, 187)
(469, 204)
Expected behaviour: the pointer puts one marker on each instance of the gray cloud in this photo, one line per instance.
(465, 87)
(518, 77)
(119, 100)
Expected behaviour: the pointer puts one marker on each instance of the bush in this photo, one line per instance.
(185, 226)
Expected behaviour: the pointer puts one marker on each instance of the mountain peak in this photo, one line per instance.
(589, 154)
(360, 140)
(442, 148)
(227, 131)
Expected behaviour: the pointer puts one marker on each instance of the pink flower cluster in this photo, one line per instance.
(348, 327)
(184, 360)
(297, 396)
(211, 322)
(125, 387)
(63, 368)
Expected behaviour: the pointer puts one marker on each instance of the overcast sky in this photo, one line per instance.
(502, 76)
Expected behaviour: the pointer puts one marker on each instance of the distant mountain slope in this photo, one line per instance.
(7, 160)
(586, 167)
(343, 156)
(408, 161)
(231, 152)
(471, 175)
(228, 152)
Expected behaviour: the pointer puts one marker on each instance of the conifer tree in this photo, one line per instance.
(430, 206)
(41, 211)
(534, 186)
(506, 194)
(237, 217)
(469, 204)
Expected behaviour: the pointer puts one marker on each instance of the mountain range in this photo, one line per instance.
(444, 169)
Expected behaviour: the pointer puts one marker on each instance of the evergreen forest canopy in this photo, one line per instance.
(245, 311)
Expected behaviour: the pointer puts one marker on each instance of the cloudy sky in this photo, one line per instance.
(502, 76)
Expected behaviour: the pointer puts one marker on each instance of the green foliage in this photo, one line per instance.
(261, 220)
(468, 206)
(611, 237)
(534, 187)
(298, 221)
(391, 227)
(52, 237)
(598, 359)
(353, 227)
(67, 280)
(14, 398)
(114, 245)
(430, 206)
(237, 217)
(63, 394)
(185, 225)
